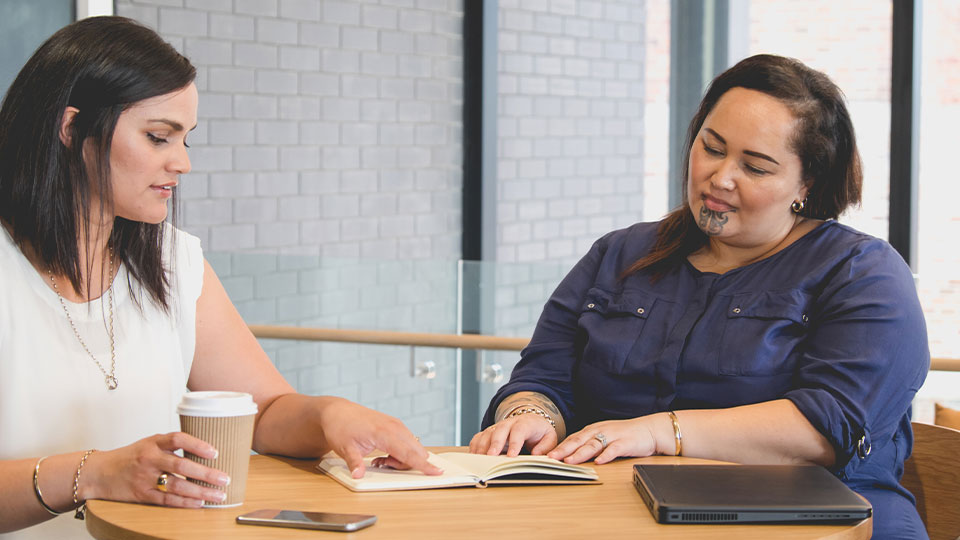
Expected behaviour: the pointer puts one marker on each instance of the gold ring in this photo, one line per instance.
(162, 482)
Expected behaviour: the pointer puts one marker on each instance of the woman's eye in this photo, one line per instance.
(755, 170)
(712, 151)
(155, 140)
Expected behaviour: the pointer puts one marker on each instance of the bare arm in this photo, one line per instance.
(228, 357)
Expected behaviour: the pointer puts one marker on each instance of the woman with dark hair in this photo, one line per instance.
(746, 326)
(107, 312)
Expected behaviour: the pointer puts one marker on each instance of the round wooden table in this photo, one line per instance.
(610, 510)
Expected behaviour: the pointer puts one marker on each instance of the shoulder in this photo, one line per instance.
(848, 246)
(633, 241)
(181, 246)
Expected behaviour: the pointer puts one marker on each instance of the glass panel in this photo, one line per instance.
(850, 42)
(938, 219)
(413, 296)
(24, 25)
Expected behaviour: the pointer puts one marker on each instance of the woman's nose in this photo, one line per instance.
(723, 176)
(180, 162)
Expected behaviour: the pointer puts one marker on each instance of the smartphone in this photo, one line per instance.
(325, 521)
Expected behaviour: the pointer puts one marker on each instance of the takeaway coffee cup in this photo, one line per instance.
(225, 420)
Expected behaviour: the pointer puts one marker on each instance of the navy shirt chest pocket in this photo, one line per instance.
(763, 332)
(613, 324)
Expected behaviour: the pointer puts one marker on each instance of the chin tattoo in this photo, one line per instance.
(711, 222)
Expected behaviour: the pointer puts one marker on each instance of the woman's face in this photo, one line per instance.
(743, 176)
(149, 153)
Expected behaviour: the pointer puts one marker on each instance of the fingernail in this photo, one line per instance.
(215, 453)
(223, 480)
(221, 496)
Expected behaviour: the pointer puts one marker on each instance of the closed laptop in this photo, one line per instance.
(747, 494)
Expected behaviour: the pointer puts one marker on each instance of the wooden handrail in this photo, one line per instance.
(452, 341)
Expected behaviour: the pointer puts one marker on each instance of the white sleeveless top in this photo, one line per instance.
(53, 398)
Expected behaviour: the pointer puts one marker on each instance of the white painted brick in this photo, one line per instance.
(299, 58)
(432, 90)
(276, 132)
(257, 210)
(534, 85)
(297, 158)
(277, 31)
(182, 22)
(235, 80)
(230, 132)
(352, 229)
(255, 158)
(255, 55)
(278, 234)
(236, 27)
(299, 108)
(338, 206)
(379, 17)
(414, 157)
(359, 86)
(208, 51)
(397, 42)
(415, 248)
(232, 184)
(340, 157)
(359, 134)
(256, 107)
(414, 111)
(359, 38)
(516, 20)
(277, 82)
(396, 88)
(210, 158)
(305, 10)
(193, 186)
(429, 224)
(272, 184)
(215, 105)
(378, 64)
(338, 61)
(322, 84)
(450, 23)
(319, 182)
(432, 44)
(358, 181)
(411, 65)
(319, 35)
(397, 226)
(232, 237)
(319, 133)
(346, 110)
(341, 12)
(416, 21)
(300, 208)
(256, 7)
(147, 15)
(319, 232)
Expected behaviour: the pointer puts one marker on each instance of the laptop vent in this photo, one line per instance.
(708, 516)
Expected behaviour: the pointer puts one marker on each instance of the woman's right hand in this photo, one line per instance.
(516, 432)
(130, 473)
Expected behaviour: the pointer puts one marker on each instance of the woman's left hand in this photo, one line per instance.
(605, 441)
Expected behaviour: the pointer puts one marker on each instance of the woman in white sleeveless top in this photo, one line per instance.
(107, 313)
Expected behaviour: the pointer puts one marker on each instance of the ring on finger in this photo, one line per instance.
(162, 482)
(602, 439)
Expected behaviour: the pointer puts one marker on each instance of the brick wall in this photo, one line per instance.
(326, 179)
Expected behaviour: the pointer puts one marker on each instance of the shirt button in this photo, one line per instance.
(736, 310)
(640, 311)
(591, 306)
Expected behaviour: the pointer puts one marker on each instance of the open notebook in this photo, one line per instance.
(462, 469)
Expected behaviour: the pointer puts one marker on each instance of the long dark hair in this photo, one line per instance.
(101, 66)
(824, 140)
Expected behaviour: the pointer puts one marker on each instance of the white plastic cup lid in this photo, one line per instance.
(215, 404)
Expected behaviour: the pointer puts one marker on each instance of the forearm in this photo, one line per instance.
(291, 425)
(536, 399)
(19, 507)
(771, 432)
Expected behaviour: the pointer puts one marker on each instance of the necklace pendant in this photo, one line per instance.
(111, 382)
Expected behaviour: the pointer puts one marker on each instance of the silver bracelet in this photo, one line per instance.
(531, 409)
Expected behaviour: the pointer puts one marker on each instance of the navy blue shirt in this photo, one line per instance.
(832, 323)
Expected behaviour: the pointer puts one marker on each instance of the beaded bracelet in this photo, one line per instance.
(81, 508)
(532, 409)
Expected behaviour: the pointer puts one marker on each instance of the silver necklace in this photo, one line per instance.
(109, 378)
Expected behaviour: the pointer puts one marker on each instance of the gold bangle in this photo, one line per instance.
(76, 485)
(36, 488)
(510, 412)
(676, 433)
(532, 409)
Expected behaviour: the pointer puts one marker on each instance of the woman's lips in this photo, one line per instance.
(716, 204)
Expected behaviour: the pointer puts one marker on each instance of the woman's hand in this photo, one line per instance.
(526, 430)
(608, 440)
(130, 473)
(353, 431)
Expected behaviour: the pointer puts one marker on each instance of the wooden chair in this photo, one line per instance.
(932, 474)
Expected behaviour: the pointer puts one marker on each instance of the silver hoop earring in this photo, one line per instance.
(797, 206)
